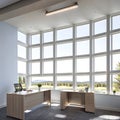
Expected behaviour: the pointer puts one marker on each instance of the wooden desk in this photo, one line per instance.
(79, 99)
(17, 103)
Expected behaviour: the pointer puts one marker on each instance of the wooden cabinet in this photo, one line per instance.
(79, 99)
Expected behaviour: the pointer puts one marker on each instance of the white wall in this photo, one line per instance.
(107, 102)
(8, 60)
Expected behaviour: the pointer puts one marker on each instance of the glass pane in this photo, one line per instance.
(116, 22)
(100, 63)
(48, 37)
(100, 85)
(83, 65)
(48, 51)
(35, 53)
(36, 68)
(83, 47)
(64, 50)
(100, 44)
(116, 61)
(21, 37)
(48, 67)
(21, 51)
(116, 41)
(64, 34)
(82, 82)
(46, 81)
(21, 67)
(64, 66)
(36, 39)
(116, 82)
(64, 82)
(100, 27)
(83, 30)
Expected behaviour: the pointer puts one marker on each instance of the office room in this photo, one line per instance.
(60, 59)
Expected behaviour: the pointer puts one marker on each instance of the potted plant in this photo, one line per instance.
(86, 89)
(39, 86)
(114, 91)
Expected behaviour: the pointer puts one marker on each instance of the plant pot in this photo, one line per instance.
(39, 88)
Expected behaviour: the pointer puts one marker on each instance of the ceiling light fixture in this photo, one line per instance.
(75, 5)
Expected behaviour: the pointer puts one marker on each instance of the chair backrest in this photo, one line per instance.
(18, 87)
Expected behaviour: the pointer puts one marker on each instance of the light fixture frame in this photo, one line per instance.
(67, 8)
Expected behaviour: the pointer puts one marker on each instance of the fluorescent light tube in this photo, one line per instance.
(62, 9)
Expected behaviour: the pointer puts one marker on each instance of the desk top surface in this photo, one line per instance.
(28, 92)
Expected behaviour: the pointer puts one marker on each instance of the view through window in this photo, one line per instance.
(65, 59)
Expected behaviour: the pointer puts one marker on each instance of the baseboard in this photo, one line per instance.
(108, 108)
(1, 106)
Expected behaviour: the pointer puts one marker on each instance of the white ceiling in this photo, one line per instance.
(35, 21)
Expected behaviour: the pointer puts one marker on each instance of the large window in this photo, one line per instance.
(116, 41)
(82, 47)
(64, 34)
(46, 81)
(100, 63)
(83, 30)
(21, 67)
(36, 53)
(21, 51)
(22, 37)
(83, 65)
(64, 66)
(64, 50)
(83, 81)
(48, 51)
(100, 26)
(100, 83)
(36, 68)
(48, 67)
(100, 44)
(35, 39)
(74, 57)
(116, 22)
(64, 82)
(48, 37)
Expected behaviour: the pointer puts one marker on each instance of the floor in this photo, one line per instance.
(45, 112)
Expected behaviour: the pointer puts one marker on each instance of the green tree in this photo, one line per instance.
(23, 80)
(20, 79)
(117, 78)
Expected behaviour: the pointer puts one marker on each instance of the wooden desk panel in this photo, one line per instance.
(63, 100)
(89, 102)
(32, 100)
(76, 98)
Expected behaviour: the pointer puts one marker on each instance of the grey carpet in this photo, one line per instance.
(71, 113)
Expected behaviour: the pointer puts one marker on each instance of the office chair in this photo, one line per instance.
(18, 87)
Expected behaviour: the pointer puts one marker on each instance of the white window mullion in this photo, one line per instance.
(28, 64)
(109, 86)
(54, 59)
(41, 53)
(74, 60)
(91, 57)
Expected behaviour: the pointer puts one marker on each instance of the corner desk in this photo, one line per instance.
(80, 99)
(18, 102)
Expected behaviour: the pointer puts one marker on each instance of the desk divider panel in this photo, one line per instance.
(76, 98)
